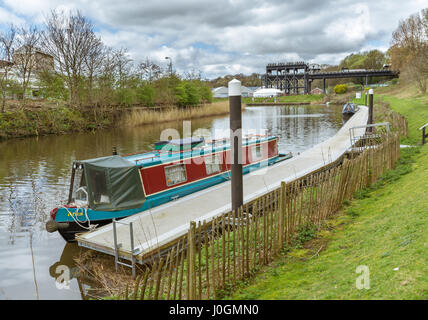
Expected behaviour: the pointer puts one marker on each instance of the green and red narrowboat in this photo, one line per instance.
(119, 186)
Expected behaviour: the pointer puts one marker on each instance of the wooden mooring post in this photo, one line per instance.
(370, 117)
(235, 143)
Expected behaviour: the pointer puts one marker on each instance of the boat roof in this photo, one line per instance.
(158, 157)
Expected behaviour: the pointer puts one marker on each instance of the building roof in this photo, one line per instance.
(220, 90)
(35, 49)
(267, 92)
(245, 89)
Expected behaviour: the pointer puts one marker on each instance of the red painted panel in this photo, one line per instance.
(154, 177)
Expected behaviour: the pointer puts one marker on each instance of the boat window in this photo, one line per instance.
(98, 186)
(79, 181)
(258, 152)
(213, 164)
(81, 197)
(175, 174)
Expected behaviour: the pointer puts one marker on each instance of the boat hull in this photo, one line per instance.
(68, 233)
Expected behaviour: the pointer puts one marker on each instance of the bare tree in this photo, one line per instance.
(122, 65)
(94, 61)
(193, 74)
(7, 48)
(410, 48)
(149, 70)
(106, 78)
(66, 39)
(27, 58)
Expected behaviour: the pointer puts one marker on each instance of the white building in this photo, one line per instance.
(267, 93)
(246, 92)
(220, 92)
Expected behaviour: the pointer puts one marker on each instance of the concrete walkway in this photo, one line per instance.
(165, 223)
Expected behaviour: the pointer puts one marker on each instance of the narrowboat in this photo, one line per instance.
(119, 186)
(349, 109)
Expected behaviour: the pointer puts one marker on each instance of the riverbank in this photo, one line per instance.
(145, 116)
(28, 122)
(384, 228)
(287, 100)
(59, 119)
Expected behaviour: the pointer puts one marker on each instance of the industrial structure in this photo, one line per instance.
(297, 77)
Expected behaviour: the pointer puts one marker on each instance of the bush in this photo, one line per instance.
(206, 93)
(192, 91)
(52, 86)
(340, 88)
(125, 97)
(146, 95)
(181, 95)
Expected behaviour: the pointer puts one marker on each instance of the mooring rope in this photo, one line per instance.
(90, 226)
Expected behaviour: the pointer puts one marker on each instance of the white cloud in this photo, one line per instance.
(7, 17)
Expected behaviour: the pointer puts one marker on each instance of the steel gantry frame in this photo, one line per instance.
(297, 77)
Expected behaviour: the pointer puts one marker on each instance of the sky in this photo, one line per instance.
(230, 36)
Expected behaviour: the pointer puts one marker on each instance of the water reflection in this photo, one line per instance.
(35, 173)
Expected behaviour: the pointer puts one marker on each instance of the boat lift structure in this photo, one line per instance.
(297, 77)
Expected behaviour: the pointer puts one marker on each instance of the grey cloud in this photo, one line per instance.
(222, 35)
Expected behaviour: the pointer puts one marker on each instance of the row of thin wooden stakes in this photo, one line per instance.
(216, 254)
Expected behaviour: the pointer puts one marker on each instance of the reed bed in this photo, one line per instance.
(216, 254)
(140, 117)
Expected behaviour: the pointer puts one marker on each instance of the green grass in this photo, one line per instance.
(384, 228)
(415, 110)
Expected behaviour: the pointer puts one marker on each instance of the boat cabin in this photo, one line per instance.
(175, 168)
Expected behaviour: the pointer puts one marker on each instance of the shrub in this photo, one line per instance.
(52, 86)
(125, 97)
(340, 88)
(192, 91)
(146, 95)
(181, 95)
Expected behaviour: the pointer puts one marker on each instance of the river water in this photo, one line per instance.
(35, 176)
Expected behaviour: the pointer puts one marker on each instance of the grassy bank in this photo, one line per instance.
(384, 228)
(27, 122)
(414, 109)
(21, 122)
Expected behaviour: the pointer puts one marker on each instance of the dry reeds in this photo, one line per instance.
(140, 117)
(217, 254)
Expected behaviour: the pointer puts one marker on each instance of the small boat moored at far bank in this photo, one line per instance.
(349, 109)
(116, 186)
